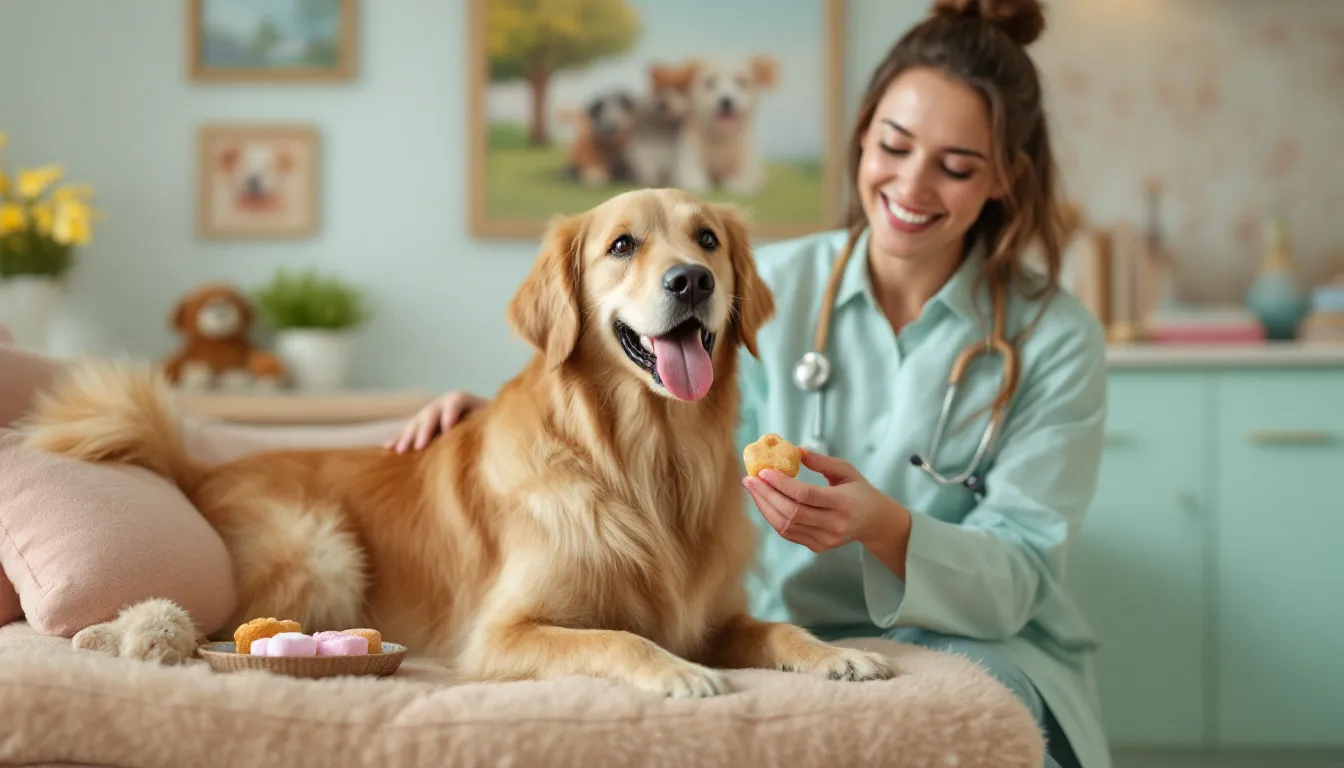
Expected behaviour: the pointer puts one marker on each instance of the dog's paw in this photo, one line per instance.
(685, 680)
(837, 663)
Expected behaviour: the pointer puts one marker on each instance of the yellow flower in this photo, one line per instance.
(71, 223)
(42, 217)
(33, 183)
(13, 218)
(71, 192)
(4, 185)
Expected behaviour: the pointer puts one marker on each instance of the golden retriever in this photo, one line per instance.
(588, 521)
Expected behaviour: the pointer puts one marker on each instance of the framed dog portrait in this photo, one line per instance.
(571, 103)
(271, 41)
(257, 181)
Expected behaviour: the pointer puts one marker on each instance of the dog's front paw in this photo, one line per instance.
(684, 680)
(837, 663)
(103, 638)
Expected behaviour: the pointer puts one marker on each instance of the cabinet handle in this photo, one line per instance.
(1290, 437)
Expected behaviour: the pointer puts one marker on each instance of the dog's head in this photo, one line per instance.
(255, 171)
(669, 98)
(611, 115)
(724, 96)
(656, 282)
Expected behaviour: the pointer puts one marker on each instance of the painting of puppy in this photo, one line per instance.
(257, 181)
(604, 129)
(717, 146)
(659, 115)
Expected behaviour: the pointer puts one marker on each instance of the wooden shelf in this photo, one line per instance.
(305, 408)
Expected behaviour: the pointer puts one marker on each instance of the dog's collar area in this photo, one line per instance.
(642, 357)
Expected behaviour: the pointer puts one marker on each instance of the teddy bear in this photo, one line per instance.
(215, 320)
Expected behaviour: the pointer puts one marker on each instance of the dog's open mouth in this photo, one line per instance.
(678, 360)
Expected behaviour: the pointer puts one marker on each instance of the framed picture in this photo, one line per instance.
(572, 103)
(257, 181)
(305, 41)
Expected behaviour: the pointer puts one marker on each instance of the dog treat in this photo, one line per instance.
(267, 627)
(772, 452)
(259, 646)
(344, 645)
(373, 636)
(291, 644)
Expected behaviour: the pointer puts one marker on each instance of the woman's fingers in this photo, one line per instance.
(788, 529)
(803, 493)
(429, 424)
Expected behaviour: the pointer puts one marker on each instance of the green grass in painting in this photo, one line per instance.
(528, 182)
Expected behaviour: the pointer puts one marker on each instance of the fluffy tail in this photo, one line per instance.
(113, 411)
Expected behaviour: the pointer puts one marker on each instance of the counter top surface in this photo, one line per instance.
(1269, 354)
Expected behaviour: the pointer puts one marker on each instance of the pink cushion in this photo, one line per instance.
(81, 540)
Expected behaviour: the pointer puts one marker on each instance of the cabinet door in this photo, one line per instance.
(1280, 553)
(1138, 568)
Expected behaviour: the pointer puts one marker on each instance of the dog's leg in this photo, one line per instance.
(744, 642)
(689, 172)
(528, 649)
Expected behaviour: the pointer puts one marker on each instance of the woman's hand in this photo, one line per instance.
(436, 417)
(822, 518)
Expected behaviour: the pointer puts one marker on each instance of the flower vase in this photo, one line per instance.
(315, 357)
(1275, 296)
(27, 303)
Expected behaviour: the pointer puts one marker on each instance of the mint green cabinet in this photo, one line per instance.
(1138, 568)
(1212, 561)
(1280, 533)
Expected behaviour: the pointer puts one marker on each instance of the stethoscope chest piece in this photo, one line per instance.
(812, 371)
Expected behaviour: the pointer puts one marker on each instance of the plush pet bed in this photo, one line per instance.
(77, 543)
(83, 707)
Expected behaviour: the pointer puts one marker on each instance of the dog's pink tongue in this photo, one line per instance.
(683, 365)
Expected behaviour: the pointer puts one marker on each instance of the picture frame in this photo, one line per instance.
(304, 41)
(563, 142)
(257, 182)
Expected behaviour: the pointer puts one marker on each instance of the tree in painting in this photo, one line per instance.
(534, 39)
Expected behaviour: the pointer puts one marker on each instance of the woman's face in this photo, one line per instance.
(925, 172)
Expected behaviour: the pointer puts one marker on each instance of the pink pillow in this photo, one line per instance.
(24, 374)
(80, 541)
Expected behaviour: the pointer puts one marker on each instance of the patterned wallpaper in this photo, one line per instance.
(1234, 106)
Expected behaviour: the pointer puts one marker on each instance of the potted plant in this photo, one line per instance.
(42, 222)
(313, 317)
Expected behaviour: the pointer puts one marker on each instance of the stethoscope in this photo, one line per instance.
(812, 373)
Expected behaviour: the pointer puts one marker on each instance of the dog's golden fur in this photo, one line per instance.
(584, 522)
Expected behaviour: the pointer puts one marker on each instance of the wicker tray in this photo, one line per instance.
(223, 658)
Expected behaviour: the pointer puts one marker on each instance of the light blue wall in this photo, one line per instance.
(100, 86)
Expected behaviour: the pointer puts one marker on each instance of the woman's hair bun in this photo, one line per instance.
(1022, 20)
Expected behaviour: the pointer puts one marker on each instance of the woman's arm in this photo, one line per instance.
(985, 576)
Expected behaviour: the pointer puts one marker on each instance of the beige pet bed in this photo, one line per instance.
(62, 706)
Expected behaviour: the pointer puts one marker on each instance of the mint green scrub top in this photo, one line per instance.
(990, 569)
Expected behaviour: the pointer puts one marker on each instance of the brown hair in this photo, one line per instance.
(982, 42)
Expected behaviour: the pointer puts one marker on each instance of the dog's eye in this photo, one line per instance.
(622, 246)
(708, 240)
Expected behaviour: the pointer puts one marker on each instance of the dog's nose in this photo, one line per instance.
(689, 283)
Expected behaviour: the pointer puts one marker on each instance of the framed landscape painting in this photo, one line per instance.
(257, 181)
(572, 103)
(271, 40)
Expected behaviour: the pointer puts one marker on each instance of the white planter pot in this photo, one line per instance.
(316, 358)
(27, 303)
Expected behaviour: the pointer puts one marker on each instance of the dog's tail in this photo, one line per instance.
(112, 411)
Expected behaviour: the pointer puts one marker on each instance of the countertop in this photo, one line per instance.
(1268, 354)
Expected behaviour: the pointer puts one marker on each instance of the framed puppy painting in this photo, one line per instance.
(571, 103)
(257, 181)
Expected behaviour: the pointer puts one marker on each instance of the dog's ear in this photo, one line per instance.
(177, 317)
(764, 71)
(754, 303)
(545, 311)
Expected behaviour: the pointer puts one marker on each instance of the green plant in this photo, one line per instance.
(311, 300)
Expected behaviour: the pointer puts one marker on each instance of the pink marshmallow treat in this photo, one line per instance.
(291, 644)
(343, 645)
(259, 646)
(327, 635)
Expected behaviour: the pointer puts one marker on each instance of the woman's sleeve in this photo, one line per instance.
(986, 576)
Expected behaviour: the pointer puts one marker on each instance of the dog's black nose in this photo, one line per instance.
(690, 283)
